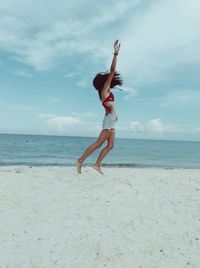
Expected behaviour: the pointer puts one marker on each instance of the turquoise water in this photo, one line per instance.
(37, 150)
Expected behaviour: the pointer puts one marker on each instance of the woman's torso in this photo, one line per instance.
(108, 103)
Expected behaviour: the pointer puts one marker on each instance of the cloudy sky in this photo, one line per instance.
(51, 50)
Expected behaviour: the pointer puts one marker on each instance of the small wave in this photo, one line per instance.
(35, 164)
(108, 165)
(121, 165)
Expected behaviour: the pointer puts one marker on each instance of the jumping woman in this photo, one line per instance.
(103, 82)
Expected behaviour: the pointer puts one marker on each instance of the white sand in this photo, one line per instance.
(128, 218)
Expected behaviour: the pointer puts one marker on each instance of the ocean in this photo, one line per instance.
(41, 150)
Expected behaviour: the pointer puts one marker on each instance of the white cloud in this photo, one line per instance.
(136, 126)
(129, 92)
(153, 127)
(61, 123)
(75, 123)
(156, 126)
(181, 98)
(61, 31)
(160, 39)
(157, 37)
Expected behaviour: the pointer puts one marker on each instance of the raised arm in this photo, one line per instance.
(112, 68)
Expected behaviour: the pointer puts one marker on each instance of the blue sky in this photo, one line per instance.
(50, 51)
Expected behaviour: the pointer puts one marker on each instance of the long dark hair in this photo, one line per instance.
(100, 79)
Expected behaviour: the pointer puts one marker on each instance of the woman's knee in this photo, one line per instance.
(110, 146)
(97, 144)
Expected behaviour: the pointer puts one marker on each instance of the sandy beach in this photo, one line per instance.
(128, 217)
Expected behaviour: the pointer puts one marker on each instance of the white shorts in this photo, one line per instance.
(109, 121)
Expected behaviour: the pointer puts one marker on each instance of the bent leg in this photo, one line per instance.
(109, 147)
(102, 137)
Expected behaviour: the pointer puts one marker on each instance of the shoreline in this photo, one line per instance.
(118, 166)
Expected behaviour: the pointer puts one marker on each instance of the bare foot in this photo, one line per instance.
(78, 166)
(98, 168)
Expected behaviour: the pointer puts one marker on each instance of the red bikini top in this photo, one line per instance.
(109, 98)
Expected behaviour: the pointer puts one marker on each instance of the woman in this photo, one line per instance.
(102, 83)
